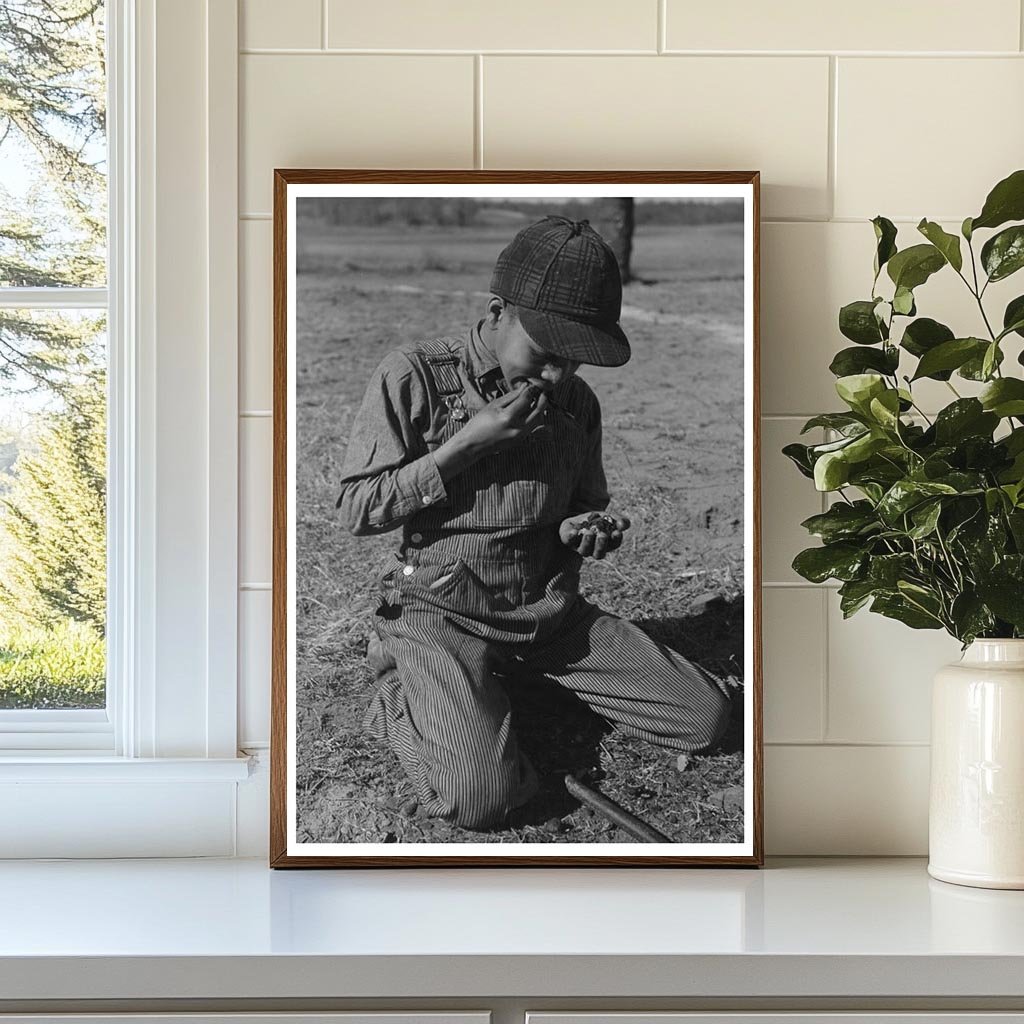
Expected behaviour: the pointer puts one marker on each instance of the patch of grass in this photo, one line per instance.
(62, 667)
(674, 459)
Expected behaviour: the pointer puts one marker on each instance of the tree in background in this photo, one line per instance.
(52, 235)
(53, 522)
(53, 116)
(618, 230)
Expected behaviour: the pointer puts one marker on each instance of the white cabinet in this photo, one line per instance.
(787, 1017)
(363, 1017)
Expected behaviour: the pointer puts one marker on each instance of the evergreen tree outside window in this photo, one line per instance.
(53, 382)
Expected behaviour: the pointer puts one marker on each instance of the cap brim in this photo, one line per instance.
(604, 345)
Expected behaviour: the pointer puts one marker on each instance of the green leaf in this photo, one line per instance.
(841, 561)
(1013, 318)
(970, 617)
(925, 334)
(857, 321)
(883, 471)
(885, 237)
(903, 302)
(965, 229)
(817, 450)
(887, 570)
(912, 267)
(906, 494)
(863, 447)
(1014, 441)
(843, 521)
(950, 355)
(974, 368)
(831, 471)
(841, 421)
(964, 482)
(947, 244)
(897, 607)
(872, 491)
(885, 409)
(990, 361)
(849, 361)
(1005, 202)
(858, 389)
(925, 518)
(1015, 520)
(799, 455)
(966, 417)
(1003, 254)
(854, 595)
(1005, 597)
(981, 537)
(1004, 397)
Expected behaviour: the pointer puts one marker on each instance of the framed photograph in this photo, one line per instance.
(516, 612)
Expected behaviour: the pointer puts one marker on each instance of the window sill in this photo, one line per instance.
(77, 766)
(79, 806)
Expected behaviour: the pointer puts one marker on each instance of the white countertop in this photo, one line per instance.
(234, 928)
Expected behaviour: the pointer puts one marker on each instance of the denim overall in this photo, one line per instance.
(483, 583)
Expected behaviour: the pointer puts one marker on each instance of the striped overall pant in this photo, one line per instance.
(461, 603)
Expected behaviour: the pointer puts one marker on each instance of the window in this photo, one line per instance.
(53, 370)
(155, 769)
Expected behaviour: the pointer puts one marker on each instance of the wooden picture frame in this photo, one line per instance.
(344, 294)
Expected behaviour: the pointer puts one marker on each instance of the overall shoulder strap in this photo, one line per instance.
(442, 362)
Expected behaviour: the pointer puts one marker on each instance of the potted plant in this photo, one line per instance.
(927, 521)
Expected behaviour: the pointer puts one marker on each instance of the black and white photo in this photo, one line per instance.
(515, 552)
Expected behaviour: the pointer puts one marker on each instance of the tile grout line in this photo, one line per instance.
(323, 24)
(768, 55)
(826, 652)
(786, 221)
(824, 687)
(833, 134)
(1020, 22)
(478, 111)
(854, 744)
(662, 41)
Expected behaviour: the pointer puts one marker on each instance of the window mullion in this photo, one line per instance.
(53, 298)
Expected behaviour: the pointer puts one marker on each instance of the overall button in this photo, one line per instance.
(427, 499)
(408, 570)
(416, 538)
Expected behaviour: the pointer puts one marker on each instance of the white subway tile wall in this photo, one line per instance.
(253, 664)
(471, 25)
(333, 110)
(908, 112)
(698, 113)
(255, 313)
(261, 25)
(871, 25)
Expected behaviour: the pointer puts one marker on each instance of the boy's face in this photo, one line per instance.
(521, 357)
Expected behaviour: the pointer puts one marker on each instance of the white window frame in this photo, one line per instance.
(169, 735)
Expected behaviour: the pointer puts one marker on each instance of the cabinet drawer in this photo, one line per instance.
(933, 1017)
(361, 1017)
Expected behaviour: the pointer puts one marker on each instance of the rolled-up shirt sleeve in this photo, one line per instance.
(388, 474)
(591, 494)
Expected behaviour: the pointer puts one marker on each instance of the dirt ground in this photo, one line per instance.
(673, 442)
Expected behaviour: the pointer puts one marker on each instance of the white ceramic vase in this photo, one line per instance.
(976, 814)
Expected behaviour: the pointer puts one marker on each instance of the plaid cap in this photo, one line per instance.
(565, 280)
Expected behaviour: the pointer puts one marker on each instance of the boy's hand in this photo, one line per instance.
(593, 533)
(506, 421)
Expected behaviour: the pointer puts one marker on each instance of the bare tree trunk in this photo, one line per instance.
(620, 234)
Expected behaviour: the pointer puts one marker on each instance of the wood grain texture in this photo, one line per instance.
(279, 857)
